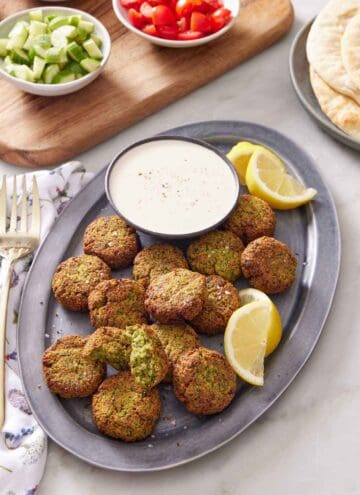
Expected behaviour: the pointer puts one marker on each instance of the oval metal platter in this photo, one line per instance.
(300, 78)
(311, 231)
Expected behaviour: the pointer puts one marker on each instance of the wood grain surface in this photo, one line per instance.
(139, 79)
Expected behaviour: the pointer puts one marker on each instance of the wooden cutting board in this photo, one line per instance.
(139, 79)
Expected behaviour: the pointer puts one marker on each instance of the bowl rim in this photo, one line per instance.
(173, 137)
(60, 86)
(174, 43)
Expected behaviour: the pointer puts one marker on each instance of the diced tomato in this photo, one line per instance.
(183, 24)
(168, 32)
(190, 35)
(200, 22)
(162, 15)
(219, 19)
(136, 18)
(146, 10)
(214, 4)
(184, 8)
(150, 29)
(128, 4)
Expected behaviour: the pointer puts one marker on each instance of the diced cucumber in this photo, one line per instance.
(81, 36)
(61, 35)
(20, 28)
(23, 72)
(36, 28)
(28, 43)
(91, 47)
(64, 76)
(18, 41)
(75, 68)
(50, 72)
(86, 26)
(19, 56)
(38, 67)
(74, 20)
(36, 15)
(58, 21)
(7, 62)
(89, 64)
(75, 51)
(97, 40)
(31, 54)
(3, 47)
(49, 18)
(56, 55)
(41, 44)
(39, 50)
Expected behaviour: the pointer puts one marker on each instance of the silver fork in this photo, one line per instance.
(14, 244)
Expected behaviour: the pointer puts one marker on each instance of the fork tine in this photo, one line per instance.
(13, 219)
(35, 213)
(3, 198)
(23, 224)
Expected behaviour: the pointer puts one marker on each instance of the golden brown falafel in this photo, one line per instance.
(252, 218)
(68, 372)
(109, 345)
(117, 303)
(75, 277)
(204, 381)
(113, 240)
(176, 295)
(269, 265)
(155, 260)
(175, 339)
(221, 300)
(122, 409)
(216, 253)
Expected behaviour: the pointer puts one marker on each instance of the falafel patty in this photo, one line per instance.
(217, 253)
(122, 409)
(75, 277)
(117, 303)
(155, 260)
(112, 240)
(221, 300)
(269, 265)
(68, 372)
(176, 295)
(109, 345)
(204, 381)
(148, 362)
(252, 218)
(175, 339)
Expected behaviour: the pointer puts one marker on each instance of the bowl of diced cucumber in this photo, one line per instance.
(52, 51)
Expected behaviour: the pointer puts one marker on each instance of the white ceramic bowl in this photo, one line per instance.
(121, 14)
(56, 89)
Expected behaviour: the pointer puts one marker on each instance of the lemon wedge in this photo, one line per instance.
(267, 178)
(250, 295)
(240, 155)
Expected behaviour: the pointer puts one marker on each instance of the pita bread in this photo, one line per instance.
(343, 111)
(324, 45)
(350, 49)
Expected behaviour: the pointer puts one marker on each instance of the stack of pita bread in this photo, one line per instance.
(333, 52)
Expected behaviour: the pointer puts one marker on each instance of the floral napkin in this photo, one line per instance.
(23, 444)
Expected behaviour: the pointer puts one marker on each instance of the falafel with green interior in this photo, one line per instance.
(217, 253)
(113, 240)
(221, 300)
(175, 296)
(251, 218)
(204, 381)
(117, 303)
(109, 345)
(68, 372)
(155, 260)
(269, 265)
(122, 409)
(175, 339)
(75, 277)
(148, 362)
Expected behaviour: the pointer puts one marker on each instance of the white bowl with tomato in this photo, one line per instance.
(177, 23)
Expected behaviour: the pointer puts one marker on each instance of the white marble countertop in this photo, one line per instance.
(309, 441)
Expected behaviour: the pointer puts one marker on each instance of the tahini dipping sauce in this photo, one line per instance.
(172, 187)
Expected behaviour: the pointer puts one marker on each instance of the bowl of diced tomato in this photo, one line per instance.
(177, 23)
